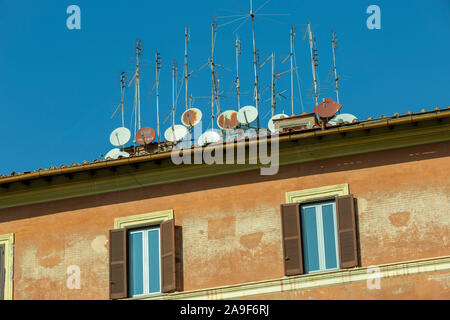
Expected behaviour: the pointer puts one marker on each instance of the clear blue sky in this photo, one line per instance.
(59, 87)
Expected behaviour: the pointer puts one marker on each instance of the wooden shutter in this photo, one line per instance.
(168, 256)
(179, 258)
(346, 225)
(118, 284)
(2, 272)
(292, 239)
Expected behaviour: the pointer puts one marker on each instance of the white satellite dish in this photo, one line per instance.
(210, 136)
(116, 153)
(247, 114)
(177, 133)
(120, 136)
(342, 118)
(271, 125)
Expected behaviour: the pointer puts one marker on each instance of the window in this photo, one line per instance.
(319, 235)
(6, 266)
(144, 256)
(145, 260)
(2, 271)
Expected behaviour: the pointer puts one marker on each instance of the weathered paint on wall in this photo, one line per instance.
(232, 227)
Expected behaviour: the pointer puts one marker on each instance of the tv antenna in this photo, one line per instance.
(174, 76)
(245, 17)
(314, 61)
(238, 86)
(214, 95)
(158, 72)
(122, 87)
(334, 45)
(137, 97)
(187, 36)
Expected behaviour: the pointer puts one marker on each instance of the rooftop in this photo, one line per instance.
(162, 150)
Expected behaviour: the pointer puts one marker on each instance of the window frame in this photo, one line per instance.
(8, 241)
(146, 228)
(318, 204)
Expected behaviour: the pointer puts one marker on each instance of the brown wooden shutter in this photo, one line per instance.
(118, 282)
(2, 272)
(292, 239)
(168, 256)
(179, 258)
(346, 225)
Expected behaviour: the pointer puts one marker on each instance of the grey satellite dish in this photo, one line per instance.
(342, 118)
(116, 153)
(247, 115)
(177, 133)
(271, 125)
(210, 136)
(120, 136)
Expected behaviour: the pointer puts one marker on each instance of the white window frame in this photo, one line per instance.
(320, 233)
(145, 259)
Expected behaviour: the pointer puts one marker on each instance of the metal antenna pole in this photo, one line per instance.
(122, 87)
(314, 62)
(252, 15)
(158, 68)
(238, 86)
(273, 85)
(173, 94)
(334, 44)
(211, 63)
(138, 96)
(292, 70)
(186, 76)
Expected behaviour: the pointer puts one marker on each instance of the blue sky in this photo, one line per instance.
(59, 87)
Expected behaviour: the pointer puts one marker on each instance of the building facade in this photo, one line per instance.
(355, 211)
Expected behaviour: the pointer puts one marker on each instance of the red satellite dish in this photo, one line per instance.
(327, 108)
(145, 136)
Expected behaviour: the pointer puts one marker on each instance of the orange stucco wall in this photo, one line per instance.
(232, 227)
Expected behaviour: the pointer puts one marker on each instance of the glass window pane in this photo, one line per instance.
(154, 260)
(135, 264)
(309, 239)
(329, 236)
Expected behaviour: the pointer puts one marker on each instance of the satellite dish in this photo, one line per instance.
(177, 133)
(120, 136)
(210, 136)
(116, 153)
(327, 108)
(343, 118)
(247, 115)
(270, 124)
(227, 120)
(145, 135)
(191, 117)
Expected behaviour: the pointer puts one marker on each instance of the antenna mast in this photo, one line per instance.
(158, 70)
(252, 15)
(213, 76)
(314, 60)
(238, 86)
(273, 85)
(174, 75)
(292, 70)
(122, 87)
(138, 95)
(186, 75)
(334, 44)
